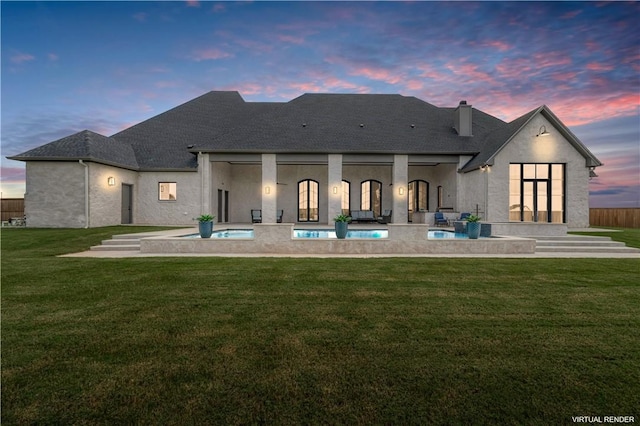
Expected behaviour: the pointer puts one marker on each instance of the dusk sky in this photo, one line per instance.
(105, 66)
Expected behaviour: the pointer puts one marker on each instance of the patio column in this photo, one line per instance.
(269, 188)
(204, 168)
(400, 189)
(334, 189)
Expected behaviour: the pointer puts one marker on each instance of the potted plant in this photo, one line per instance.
(342, 225)
(205, 225)
(473, 226)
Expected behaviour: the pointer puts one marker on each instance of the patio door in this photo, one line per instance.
(535, 201)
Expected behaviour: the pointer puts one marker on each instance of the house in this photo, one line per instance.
(313, 157)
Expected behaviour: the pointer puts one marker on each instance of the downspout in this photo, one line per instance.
(86, 194)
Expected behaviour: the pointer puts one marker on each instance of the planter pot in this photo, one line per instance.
(341, 229)
(206, 229)
(473, 230)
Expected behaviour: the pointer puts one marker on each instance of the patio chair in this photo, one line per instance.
(464, 216)
(279, 216)
(386, 217)
(439, 219)
(256, 216)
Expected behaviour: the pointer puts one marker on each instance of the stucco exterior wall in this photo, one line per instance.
(55, 194)
(525, 147)
(149, 209)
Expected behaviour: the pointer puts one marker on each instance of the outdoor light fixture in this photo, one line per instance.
(335, 189)
(592, 173)
(401, 190)
(543, 131)
(111, 181)
(267, 189)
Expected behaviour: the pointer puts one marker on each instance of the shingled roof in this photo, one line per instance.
(311, 123)
(85, 145)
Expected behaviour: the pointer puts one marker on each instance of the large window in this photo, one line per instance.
(346, 198)
(371, 196)
(418, 196)
(167, 191)
(308, 201)
(536, 193)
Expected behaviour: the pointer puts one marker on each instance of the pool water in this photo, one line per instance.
(330, 233)
(446, 235)
(228, 233)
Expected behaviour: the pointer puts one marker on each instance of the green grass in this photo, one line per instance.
(312, 341)
(629, 236)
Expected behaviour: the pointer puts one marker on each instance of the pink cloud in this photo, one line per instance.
(291, 39)
(597, 66)
(12, 174)
(193, 3)
(20, 58)
(52, 57)
(219, 7)
(210, 55)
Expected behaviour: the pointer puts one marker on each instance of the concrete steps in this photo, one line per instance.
(581, 244)
(119, 243)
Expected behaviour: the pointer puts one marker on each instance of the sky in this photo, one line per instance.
(104, 66)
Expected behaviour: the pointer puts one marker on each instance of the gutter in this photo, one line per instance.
(86, 193)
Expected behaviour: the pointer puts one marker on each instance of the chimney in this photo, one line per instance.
(462, 119)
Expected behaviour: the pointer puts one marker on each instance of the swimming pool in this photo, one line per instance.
(227, 233)
(446, 235)
(331, 233)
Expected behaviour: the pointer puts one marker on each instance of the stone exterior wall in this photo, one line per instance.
(525, 147)
(148, 209)
(55, 194)
(105, 206)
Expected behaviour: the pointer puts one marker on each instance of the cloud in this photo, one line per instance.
(193, 3)
(20, 58)
(210, 55)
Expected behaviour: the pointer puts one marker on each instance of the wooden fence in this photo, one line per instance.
(12, 207)
(618, 217)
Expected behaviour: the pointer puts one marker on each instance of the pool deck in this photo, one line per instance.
(169, 235)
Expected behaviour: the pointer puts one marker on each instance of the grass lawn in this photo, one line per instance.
(312, 341)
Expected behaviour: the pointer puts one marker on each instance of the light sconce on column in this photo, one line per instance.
(335, 189)
(267, 189)
(111, 181)
(401, 190)
(543, 131)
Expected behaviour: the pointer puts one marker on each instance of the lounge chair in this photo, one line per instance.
(464, 216)
(439, 219)
(256, 216)
(386, 217)
(279, 216)
(362, 216)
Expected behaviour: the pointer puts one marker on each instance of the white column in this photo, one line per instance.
(269, 188)
(204, 169)
(400, 189)
(334, 189)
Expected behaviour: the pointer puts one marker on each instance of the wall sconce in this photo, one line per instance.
(267, 189)
(592, 173)
(543, 131)
(401, 190)
(111, 181)
(335, 189)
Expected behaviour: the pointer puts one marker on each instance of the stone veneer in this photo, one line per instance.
(278, 239)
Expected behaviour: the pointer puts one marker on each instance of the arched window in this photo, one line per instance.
(418, 196)
(371, 196)
(346, 198)
(308, 201)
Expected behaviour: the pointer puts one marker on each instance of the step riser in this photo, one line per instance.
(116, 248)
(586, 250)
(119, 242)
(577, 244)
